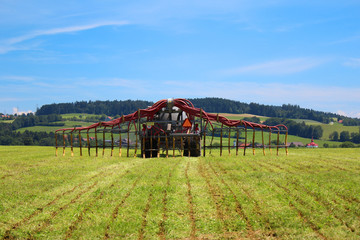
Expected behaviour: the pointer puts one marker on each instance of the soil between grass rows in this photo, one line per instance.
(303, 195)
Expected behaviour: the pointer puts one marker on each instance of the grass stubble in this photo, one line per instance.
(312, 193)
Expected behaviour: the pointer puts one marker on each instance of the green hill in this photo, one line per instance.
(328, 128)
(87, 113)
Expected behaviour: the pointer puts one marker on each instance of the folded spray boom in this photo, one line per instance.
(169, 125)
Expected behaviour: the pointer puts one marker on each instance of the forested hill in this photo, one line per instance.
(216, 105)
(110, 108)
(285, 111)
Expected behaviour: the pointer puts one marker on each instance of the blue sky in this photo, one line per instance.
(269, 52)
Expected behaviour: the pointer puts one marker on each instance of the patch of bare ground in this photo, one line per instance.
(317, 196)
(146, 209)
(162, 230)
(305, 220)
(6, 175)
(265, 167)
(311, 224)
(215, 195)
(119, 205)
(62, 208)
(269, 233)
(74, 224)
(301, 168)
(191, 204)
(333, 164)
(144, 217)
(349, 199)
(326, 167)
(218, 198)
(72, 201)
(322, 202)
(22, 171)
(280, 167)
(251, 232)
(39, 210)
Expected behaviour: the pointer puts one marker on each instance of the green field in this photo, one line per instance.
(310, 194)
(78, 115)
(48, 129)
(327, 128)
(234, 116)
(6, 121)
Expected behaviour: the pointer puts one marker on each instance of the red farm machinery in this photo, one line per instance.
(173, 127)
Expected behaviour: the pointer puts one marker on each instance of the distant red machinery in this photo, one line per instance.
(173, 124)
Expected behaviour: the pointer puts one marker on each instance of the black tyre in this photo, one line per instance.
(151, 148)
(195, 150)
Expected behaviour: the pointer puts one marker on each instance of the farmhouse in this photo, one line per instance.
(296, 144)
(242, 145)
(312, 144)
(172, 124)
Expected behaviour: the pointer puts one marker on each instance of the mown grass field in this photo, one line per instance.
(310, 194)
(327, 128)
(78, 115)
(6, 121)
(48, 129)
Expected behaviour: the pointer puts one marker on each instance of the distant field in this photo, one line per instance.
(258, 139)
(78, 115)
(68, 124)
(6, 121)
(327, 128)
(310, 194)
(242, 116)
(308, 122)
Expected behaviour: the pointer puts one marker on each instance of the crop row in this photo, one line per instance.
(299, 196)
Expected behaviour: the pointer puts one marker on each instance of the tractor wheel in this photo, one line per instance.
(195, 150)
(148, 146)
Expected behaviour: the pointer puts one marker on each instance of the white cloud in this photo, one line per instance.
(342, 113)
(322, 98)
(346, 40)
(16, 110)
(277, 67)
(63, 30)
(353, 62)
(349, 114)
(268, 91)
(10, 44)
(6, 49)
(17, 78)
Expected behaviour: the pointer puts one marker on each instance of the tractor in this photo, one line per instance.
(171, 128)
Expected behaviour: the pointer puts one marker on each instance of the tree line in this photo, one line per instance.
(297, 129)
(48, 115)
(345, 136)
(215, 105)
(30, 120)
(109, 108)
(10, 137)
(283, 111)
